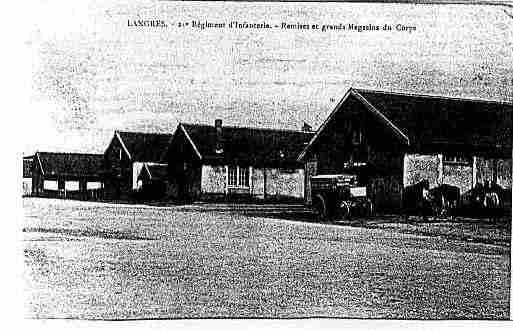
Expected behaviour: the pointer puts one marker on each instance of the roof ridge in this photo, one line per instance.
(147, 133)
(253, 128)
(67, 153)
(433, 96)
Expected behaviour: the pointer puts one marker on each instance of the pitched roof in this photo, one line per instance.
(245, 144)
(444, 120)
(70, 164)
(153, 172)
(144, 147)
(427, 120)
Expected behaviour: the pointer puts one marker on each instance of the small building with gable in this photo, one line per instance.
(67, 175)
(235, 163)
(125, 158)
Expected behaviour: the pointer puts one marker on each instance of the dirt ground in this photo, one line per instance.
(105, 261)
(491, 230)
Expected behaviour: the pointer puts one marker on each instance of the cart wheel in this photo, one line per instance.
(319, 208)
(369, 208)
(344, 211)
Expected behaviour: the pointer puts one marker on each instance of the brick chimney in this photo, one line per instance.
(218, 124)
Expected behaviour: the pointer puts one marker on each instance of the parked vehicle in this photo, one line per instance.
(339, 196)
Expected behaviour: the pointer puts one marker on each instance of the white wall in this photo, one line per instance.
(27, 186)
(71, 186)
(285, 183)
(278, 182)
(94, 185)
(136, 170)
(50, 185)
(258, 182)
(419, 167)
(213, 179)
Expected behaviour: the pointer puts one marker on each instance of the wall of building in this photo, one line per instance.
(488, 169)
(421, 167)
(458, 175)
(136, 170)
(27, 186)
(277, 183)
(119, 178)
(504, 173)
(310, 170)
(69, 188)
(258, 183)
(213, 179)
(464, 175)
(385, 192)
(192, 183)
(284, 183)
(266, 183)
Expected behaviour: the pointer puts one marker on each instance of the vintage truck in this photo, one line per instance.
(339, 196)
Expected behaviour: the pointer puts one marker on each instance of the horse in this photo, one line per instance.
(414, 196)
(487, 196)
(443, 199)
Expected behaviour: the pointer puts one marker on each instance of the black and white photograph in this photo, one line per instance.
(266, 160)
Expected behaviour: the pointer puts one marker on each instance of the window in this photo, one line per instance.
(238, 176)
(244, 177)
(232, 176)
(357, 136)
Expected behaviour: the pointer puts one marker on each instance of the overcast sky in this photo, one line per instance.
(92, 74)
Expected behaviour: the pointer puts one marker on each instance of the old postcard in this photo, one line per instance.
(267, 160)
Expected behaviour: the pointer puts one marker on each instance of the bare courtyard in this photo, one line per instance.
(105, 261)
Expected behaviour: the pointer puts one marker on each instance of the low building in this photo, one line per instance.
(152, 181)
(400, 139)
(126, 156)
(228, 163)
(67, 175)
(27, 175)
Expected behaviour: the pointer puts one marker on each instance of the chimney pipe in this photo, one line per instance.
(218, 124)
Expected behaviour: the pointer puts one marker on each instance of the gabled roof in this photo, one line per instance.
(144, 147)
(245, 144)
(437, 119)
(426, 120)
(69, 164)
(153, 172)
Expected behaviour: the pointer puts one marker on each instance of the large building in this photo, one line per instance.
(399, 139)
(126, 156)
(222, 162)
(67, 175)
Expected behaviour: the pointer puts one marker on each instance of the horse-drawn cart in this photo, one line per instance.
(339, 196)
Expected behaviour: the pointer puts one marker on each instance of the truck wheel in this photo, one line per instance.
(320, 208)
